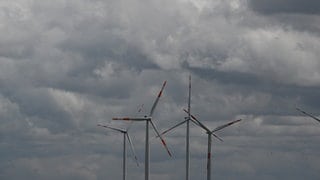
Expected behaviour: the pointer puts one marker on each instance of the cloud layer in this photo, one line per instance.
(66, 66)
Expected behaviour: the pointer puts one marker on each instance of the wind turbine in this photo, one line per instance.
(148, 119)
(125, 136)
(308, 114)
(210, 134)
(187, 120)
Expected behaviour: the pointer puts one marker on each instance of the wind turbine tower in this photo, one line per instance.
(188, 133)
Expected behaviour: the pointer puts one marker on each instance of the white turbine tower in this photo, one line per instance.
(308, 114)
(210, 134)
(188, 133)
(148, 119)
(125, 136)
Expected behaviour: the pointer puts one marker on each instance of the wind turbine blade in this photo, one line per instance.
(164, 132)
(225, 125)
(197, 122)
(308, 114)
(109, 127)
(140, 108)
(216, 136)
(162, 140)
(132, 149)
(157, 99)
(189, 98)
(129, 119)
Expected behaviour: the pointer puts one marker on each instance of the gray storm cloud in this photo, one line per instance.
(67, 65)
(286, 6)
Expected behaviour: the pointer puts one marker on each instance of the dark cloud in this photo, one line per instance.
(67, 65)
(285, 6)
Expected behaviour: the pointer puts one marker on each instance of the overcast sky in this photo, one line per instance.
(67, 65)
